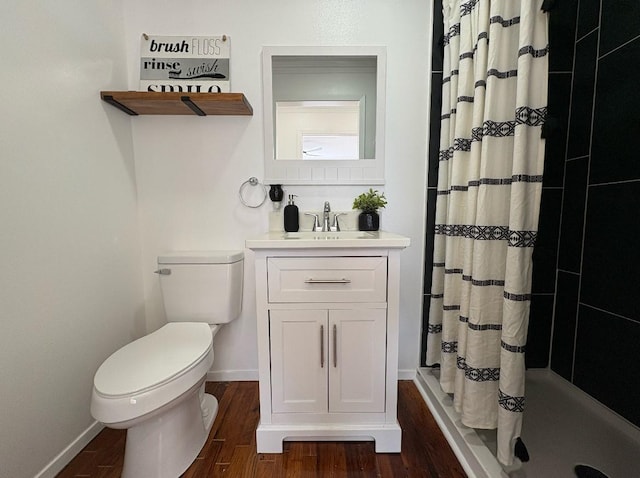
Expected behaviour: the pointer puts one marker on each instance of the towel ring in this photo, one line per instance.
(252, 181)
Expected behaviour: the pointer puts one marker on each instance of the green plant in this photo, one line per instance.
(370, 201)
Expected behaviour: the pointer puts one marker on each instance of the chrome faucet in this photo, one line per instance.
(316, 224)
(336, 225)
(325, 223)
(326, 220)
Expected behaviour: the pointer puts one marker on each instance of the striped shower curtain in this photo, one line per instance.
(494, 97)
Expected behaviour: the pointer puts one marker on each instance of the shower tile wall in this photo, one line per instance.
(597, 319)
(562, 32)
(432, 182)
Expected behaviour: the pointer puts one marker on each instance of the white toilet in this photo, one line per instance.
(154, 386)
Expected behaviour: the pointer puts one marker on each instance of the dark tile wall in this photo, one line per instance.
(605, 356)
(432, 182)
(582, 95)
(564, 323)
(596, 325)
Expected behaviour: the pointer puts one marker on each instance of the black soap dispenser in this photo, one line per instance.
(291, 219)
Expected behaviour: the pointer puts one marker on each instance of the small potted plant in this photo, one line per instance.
(369, 203)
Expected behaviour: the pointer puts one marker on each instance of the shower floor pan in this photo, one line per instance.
(562, 427)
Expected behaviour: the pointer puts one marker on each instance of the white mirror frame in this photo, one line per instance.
(293, 172)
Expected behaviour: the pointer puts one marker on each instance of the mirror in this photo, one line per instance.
(324, 115)
(320, 130)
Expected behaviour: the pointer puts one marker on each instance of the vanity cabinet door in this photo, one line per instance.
(328, 360)
(357, 360)
(299, 360)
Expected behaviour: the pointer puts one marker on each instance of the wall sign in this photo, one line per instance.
(187, 64)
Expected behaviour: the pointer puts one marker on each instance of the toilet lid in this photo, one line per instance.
(154, 359)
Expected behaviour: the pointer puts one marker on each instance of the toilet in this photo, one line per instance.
(154, 386)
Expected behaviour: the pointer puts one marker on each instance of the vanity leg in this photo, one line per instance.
(269, 441)
(388, 440)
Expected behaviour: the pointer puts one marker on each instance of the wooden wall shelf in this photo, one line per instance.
(175, 103)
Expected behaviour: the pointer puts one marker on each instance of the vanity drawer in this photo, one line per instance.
(327, 279)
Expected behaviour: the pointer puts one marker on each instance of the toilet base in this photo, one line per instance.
(167, 444)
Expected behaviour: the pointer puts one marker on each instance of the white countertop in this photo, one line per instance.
(324, 240)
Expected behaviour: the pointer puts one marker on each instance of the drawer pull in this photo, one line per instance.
(335, 345)
(328, 281)
(322, 346)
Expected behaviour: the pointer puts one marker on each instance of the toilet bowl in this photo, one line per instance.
(154, 386)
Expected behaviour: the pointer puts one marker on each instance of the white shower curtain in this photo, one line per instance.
(494, 97)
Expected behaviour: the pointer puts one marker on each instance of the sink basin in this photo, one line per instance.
(329, 236)
(327, 240)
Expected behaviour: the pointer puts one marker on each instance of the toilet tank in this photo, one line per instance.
(202, 286)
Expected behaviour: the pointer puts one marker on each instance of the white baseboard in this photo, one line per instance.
(252, 375)
(232, 376)
(408, 374)
(56, 465)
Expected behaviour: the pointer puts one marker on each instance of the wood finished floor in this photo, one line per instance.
(230, 450)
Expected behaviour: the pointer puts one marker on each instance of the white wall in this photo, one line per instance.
(70, 288)
(73, 206)
(189, 169)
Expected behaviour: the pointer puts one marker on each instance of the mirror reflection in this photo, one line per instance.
(324, 107)
(319, 129)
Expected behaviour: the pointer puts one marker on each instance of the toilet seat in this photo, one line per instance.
(159, 368)
(153, 359)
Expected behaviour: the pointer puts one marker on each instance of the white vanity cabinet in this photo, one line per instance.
(327, 317)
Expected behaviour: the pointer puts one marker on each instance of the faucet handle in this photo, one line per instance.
(336, 225)
(316, 222)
